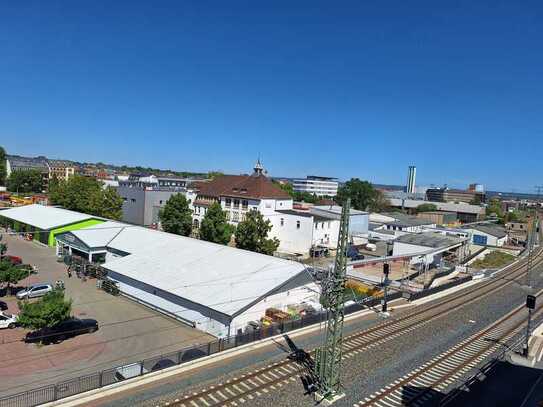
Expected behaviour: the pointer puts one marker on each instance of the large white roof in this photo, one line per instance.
(220, 277)
(44, 217)
(100, 235)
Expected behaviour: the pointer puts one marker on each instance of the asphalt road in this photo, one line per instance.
(363, 374)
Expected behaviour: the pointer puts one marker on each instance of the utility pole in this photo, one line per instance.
(530, 304)
(538, 188)
(530, 243)
(328, 357)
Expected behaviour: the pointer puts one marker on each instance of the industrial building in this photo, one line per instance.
(215, 288)
(400, 223)
(144, 195)
(439, 218)
(465, 213)
(454, 195)
(319, 186)
(44, 222)
(435, 246)
(487, 235)
(411, 178)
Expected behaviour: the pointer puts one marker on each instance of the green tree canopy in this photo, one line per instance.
(87, 195)
(25, 181)
(494, 207)
(48, 311)
(363, 196)
(215, 228)
(252, 234)
(2, 166)
(10, 274)
(176, 216)
(427, 207)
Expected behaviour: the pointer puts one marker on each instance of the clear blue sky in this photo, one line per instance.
(347, 89)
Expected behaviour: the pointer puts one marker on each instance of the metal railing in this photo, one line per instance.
(81, 384)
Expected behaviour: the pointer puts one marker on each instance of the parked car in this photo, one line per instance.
(33, 291)
(67, 329)
(3, 306)
(7, 320)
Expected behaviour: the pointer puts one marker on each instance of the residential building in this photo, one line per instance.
(238, 194)
(60, 169)
(517, 226)
(454, 195)
(18, 163)
(411, 178)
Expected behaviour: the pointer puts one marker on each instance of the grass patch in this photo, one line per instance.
(492, 260)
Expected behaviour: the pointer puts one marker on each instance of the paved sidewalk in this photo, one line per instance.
(128, 331)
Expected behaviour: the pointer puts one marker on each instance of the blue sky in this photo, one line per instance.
(346, 89)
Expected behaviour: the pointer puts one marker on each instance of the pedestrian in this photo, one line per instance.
(69, 270)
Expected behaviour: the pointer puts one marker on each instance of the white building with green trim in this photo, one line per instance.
(44, 222)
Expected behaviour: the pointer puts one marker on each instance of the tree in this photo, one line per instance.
(215, 228)
(25, 181)
(112, 204)
(48, 311)
(176, 216)
(427, 207)
(3, 250)
(494, 207)
(10, 274)
(87, 195)
(252, 234)
(2, 166)
(379, 203)
(476, 200)
(363, 195)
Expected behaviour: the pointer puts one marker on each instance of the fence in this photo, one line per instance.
(117, 374)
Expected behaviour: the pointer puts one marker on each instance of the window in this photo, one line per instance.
(244, 204)
(228, 202)
(160, 202)
(297, 224)
(322, 225)
(316, 225)
(133, 200)
(282, 222)
(235, 217)
(236, 203)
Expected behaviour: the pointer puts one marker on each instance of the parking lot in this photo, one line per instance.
(128, 331)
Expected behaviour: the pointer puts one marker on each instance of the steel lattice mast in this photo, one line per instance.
(328, 358)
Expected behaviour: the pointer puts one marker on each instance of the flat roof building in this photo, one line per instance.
(319, 186)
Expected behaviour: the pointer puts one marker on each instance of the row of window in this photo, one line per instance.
(244, 203)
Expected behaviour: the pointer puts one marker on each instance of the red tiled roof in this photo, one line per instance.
(249, 186)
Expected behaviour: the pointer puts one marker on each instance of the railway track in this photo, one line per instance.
(434, 377)
(247, 387)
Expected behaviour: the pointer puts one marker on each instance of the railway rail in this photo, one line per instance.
(247, 387)
(434, 377)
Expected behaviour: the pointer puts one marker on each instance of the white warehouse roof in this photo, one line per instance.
(44, 217)
(99, 235)
(219, 277)
(441, 206)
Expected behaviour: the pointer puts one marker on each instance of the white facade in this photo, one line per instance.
(411, 177)
(320, 186)
(481, 238)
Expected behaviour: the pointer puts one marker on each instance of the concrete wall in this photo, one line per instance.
(133, 204)
(292, 239)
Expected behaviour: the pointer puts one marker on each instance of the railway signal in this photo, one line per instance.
(530, 304)
(386, 271)
(328, 357)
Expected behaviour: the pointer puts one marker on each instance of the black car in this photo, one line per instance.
(64, 330)
(3, 306)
